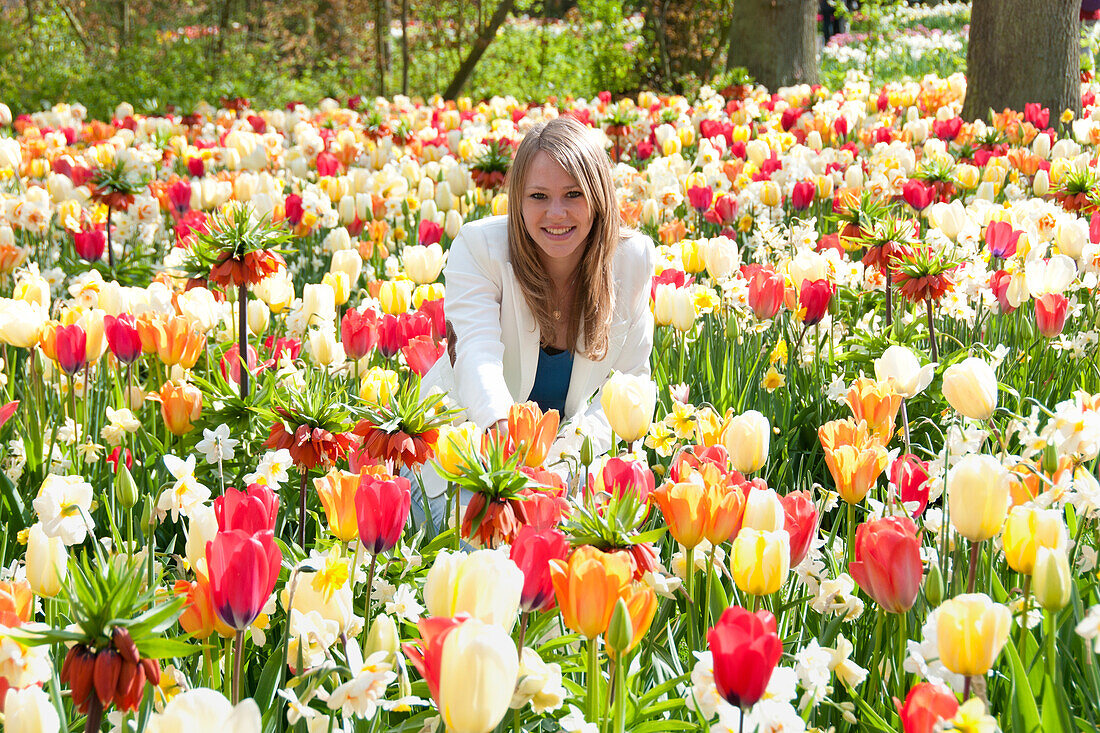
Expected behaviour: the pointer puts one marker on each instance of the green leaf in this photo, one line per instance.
(160, 648)
(1023, 698)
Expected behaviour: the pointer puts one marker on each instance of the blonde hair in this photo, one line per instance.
(569, 143)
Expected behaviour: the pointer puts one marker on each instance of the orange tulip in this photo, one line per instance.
(198, 617)
(174, 339)
(180, 406)
(877, 403)
(587, 587)
(641, 603)
(48, 340)
(682, 505)
(854, 455)
(16, 599)
(535, 430)
(723, 509)
(337, 491)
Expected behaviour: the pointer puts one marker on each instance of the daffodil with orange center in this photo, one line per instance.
(855, 457)
(587, 587)
(533, 431)
(876, 402)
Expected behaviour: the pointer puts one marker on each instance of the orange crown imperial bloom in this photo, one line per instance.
(587, 587)
(530, 427)
(877, 403)
(249, 269)
(854, 455)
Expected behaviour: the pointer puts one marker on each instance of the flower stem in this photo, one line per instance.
(620, 695)
(238, 648)
(522, 634)
(689, 587)
(242, 336)
(972, 572)
(367, 604)
(706, 595)
(851, 532)
(95, 714)
(931, 332)
(302, 508)
(593, 682)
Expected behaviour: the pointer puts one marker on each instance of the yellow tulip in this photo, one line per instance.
(477, 677)
(1028, 529)
(47, 562)
(971, 388)
(978, 495)
(453, 443)
(747, 438)
(485, 584)
(760, 561)
(378, 385)
(628, 403)
(970, 630)
(1053, 582)
(394, 297)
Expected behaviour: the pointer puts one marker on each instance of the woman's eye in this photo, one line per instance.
(574, 194)
(538, 196)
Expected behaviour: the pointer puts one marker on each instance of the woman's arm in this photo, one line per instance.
(474, 293)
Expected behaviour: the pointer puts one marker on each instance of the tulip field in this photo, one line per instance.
(859, 491)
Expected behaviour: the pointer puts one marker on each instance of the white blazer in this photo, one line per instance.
(497, 337)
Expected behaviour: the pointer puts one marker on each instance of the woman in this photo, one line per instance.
(545, 302)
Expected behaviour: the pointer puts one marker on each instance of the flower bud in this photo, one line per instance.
(933, 586)
(383, 637)
(620, 630)
(1052, 582)
(126, 490)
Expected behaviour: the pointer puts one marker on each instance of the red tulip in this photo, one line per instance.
(926, 704)
(91, 245)
(998, 283)
(381, 508)
(252, 511)
(802, 195)
(422, 352)
(532, 551)
(122, 337)
(120, 454)
(293, 208)
(910, 475)
(726, 208)
(358, 332)
(327, 164)
(801, 523)
(196, 167)
(746, 649)
(243, 569)
(1002, 238)
(840, 126)
(814, 298)
(1050, 314)
(620, 476)
(947, 129)
(428, 232)
(230, 363)
(72, 352)
(6, 411)
(1037, 115)
(700, 197)
(918, 194)
(765, 292)
(179, 196)
(888, 565)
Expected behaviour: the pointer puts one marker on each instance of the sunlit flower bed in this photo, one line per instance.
(860, 492)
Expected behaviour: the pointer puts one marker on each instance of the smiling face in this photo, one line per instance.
(556, 213)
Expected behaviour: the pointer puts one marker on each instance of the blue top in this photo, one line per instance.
(552, 380)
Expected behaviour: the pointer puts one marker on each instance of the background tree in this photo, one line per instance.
(1023, 51)
(776, 40)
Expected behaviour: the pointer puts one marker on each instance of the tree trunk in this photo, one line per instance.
(382, 43)
(776, 40)
(1022, 51)
(480, 44)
